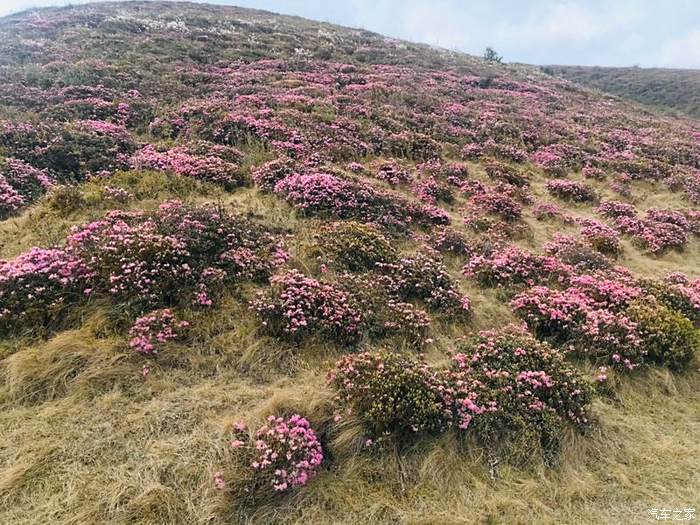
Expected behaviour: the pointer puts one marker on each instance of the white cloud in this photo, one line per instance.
(683, 51)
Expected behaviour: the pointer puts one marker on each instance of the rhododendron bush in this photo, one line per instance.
(177, 254)
(283, 454)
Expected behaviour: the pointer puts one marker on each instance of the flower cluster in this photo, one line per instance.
(600, 237)
(547, 211)
(571, 190)
(424, 278)
(180, 160)
(283, 454)
(513, 266)
(497, 203)
(20, 185)
(151, 331)
(393, 173)
(297, 305)
(267, 175)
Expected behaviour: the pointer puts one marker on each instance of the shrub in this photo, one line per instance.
(20, 185)
(502, 172)
(422, 277)
(614, 209)
(181, 161)
(682, 297)
(450, 240)
(355, 246)
(37, 285)
(498, 204)
(514, 266)
(283, 454)
(296, 305)
(173, 254)
(573, 252)
(571, 191)
(669, 337)
(571, 317)
(393, 173)
(267, 175)
(600, 237)
(151, 331)
(321, 194)
(430, 191)
(390, 393)
(544, 211)
(527, 384)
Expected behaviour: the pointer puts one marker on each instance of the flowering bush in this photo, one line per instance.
(393, 173)
(498, 204)
(682, 296)
(296, 305)
(179, 160)
(571, 191)
(429, 190)
(668, 336)
(548, 211)
(390, 393)
(573, 252)
(267, 175)
(328, 195)
(524, 383)
(283, 454)
(35, 286)
(614, 209)
(171, 254)
(354, 246)
(20, 185)
(514, 266)
(600, 237)
(422, 277)
(571, 317)
(118, 195)
(502, 172)
(449, 240)
(151, 331)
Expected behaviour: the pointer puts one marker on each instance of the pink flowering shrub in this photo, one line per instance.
(446, 239)
(151, 331)
(569, 190)
(498, 204)
(600, 237)
(547, 211)
(37, 285)
(282, 455)
(320, 194)
(20, 185)
(117, 195)
(680, 295)
(555, 159)
(393, 173)
(472, 151)
(572, 317)
(267, 175)
(181, 161)
(575, 253)
(424, 278)
(296, 305)
(430, 191)
(502, 172)
(523, 385)
(615, 209)
(513, 266)
(168, 256)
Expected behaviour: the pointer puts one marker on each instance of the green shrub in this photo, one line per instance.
(390, 394)
(355, 246)
(668, 337)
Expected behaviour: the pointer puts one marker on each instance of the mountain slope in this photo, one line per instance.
(211, 215)
(669, 90)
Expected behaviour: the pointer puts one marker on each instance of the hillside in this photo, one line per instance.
(259, 269)
(668, 90)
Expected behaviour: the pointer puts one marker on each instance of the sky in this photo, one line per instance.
(647, 33)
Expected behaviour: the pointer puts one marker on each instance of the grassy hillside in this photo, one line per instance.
(469, 291)
(669, 90)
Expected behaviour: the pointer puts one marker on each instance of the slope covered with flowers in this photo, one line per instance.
(375, 253)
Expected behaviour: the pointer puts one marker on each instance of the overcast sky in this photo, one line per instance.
(589, 32)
